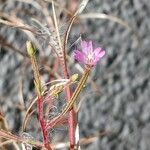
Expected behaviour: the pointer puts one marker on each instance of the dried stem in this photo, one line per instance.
(8, 135)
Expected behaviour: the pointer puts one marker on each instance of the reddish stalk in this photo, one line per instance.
(37, 81)
(43, 123)
(71, 115)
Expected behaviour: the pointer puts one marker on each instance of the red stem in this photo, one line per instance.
(43, 123)
(71, 115)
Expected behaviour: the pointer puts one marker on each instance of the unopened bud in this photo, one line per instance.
(74, 77)
(30, 49)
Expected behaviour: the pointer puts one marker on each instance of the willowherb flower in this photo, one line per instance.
(89, 56)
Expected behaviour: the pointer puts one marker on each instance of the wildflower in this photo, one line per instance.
(89, 56)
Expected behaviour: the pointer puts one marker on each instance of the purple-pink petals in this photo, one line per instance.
(88, 56)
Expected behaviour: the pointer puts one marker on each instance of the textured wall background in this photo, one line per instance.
(122, 77)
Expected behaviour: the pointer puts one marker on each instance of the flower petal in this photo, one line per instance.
(99, 52)
(87, 47)
(79, 56)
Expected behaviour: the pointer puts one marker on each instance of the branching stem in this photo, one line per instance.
(71, 102)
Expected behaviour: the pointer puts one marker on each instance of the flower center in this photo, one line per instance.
(90, 58)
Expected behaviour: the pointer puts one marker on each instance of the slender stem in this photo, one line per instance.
(31, 51)
(9, 136)
(71, 102)
(72, 114)
(69, 107)
(76, 92)
(42, 122)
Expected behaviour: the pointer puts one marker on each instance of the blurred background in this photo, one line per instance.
(115, 110)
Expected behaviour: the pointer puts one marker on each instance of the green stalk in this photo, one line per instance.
(76, 92)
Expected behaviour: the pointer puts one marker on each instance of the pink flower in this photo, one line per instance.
(89, 56)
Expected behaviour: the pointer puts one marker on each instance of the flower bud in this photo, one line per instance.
(74, 77)
(30, 49)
